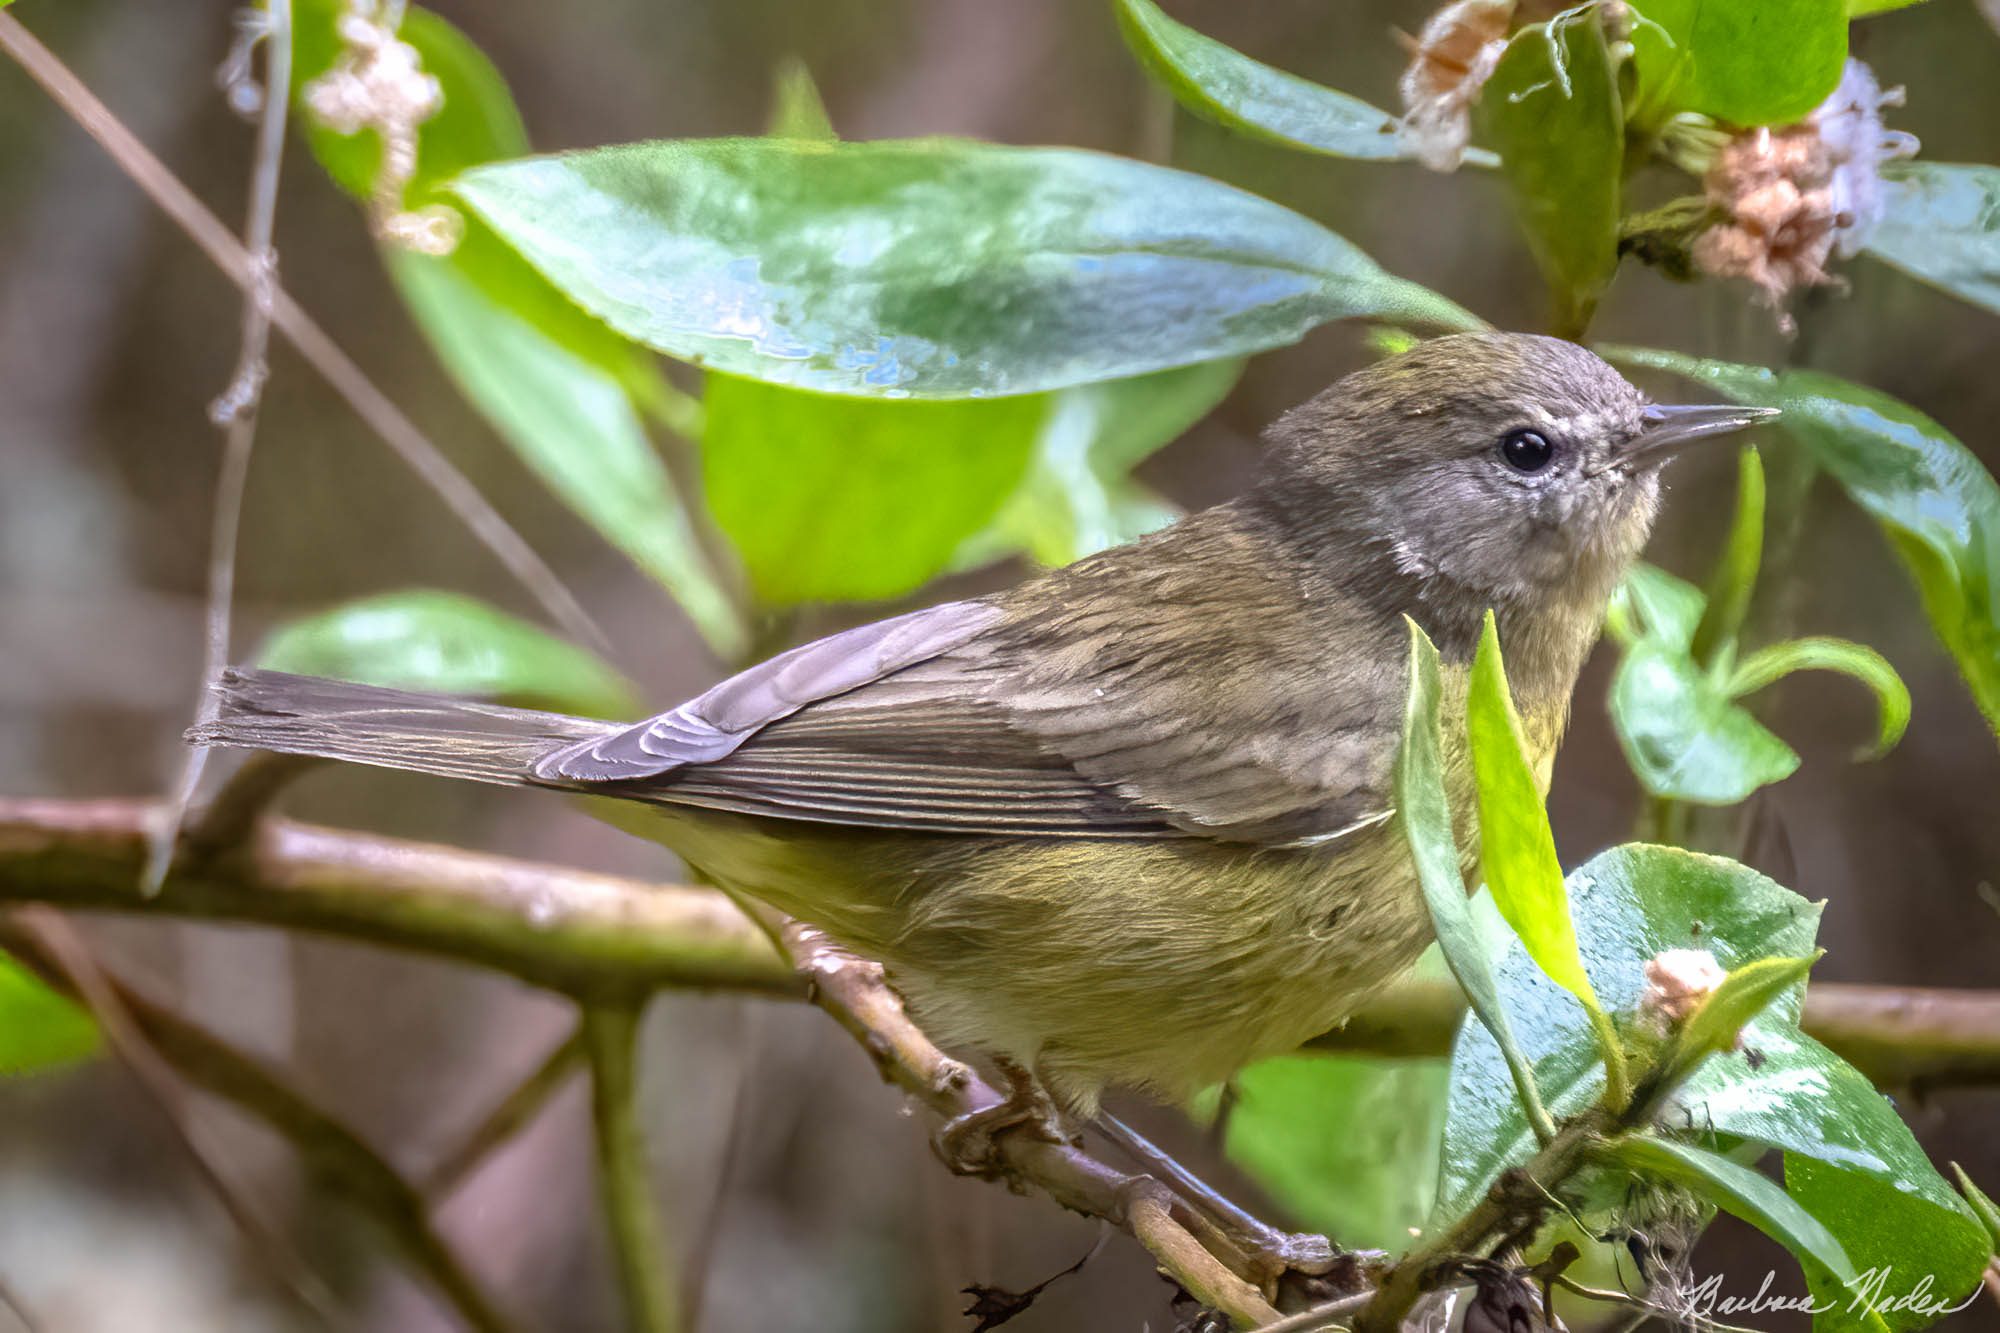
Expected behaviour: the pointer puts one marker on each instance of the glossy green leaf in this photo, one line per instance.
(429, 640)
(39, 1029)
(1982, 1205)
(796, 109)
(1348, 1147)
(1739, 1190)
(1630, 904)
(1652, 603)
(1767, 63)
(1720, 1019)
(575, 426)
(560, 388)
(1857, 9)
(1913, 1264)
(1551, 108)
(1941, 224)
(933, 268)
(1856, 660)
(1735, 577)
(851, 499)
(1221, 84)
(1939, 507)
(1077, 497)
(1684, 737)
(1424, 809)
(1780, 1090)
(1516, 845)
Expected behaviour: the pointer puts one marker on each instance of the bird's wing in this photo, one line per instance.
(1110, 704)
(878, 726)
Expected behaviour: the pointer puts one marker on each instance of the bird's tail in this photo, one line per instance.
(365, 724)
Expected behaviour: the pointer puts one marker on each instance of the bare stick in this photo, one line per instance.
(236, 411)
(336, 1160)
(300, 330)
(65, 953)
(506, 1119)
(610, 1036)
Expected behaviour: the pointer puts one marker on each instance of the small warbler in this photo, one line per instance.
(1129, 823)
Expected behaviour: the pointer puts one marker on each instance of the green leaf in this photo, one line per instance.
(1652, 603)
(1786, 1091)
(1684, 737)
(1424, 809)
(1552, 109)
(1913, 1264)
(441, 641)
(39, 1029)
(1939, 507)
(796, 109)
(1221, 84)
(851, 499)
(1717, 1024)
(1982, 1205)
(1941, 224)
(1517, 846)
(1739, 1190)
(559, 387)
(1857, 9)
(1767, 63)
(1347, 1146)
(1735, 577)
(1077, 497)
(1782, 1090)
(1859, 661)
(1630, 904)
(575, 425)
(935, 268)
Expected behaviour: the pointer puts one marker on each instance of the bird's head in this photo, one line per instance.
(1498, 469)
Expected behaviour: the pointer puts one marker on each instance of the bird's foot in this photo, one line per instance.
(966, 1144)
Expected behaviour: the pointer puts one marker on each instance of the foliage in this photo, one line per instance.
(919, 356)
(428, 640)
(39, 1029)
(1777, 1088)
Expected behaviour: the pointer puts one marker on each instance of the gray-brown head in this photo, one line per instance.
(1495, 469)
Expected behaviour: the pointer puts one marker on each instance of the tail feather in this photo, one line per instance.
(366, 724)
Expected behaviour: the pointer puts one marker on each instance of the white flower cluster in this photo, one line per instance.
(1791, 198)
(378, 83)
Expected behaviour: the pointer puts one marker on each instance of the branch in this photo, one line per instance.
(335, 1158)
(593, 935)
(299, 329)
(610, 1039)
(855, 993)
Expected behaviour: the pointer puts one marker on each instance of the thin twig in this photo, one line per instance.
(236, 411)
(610, 1037)
(19, 1312)
(229, 819)
(336, 1159)
(508, 1118)
(1327, 1315)
(701, 1256)
(57, 945)
(300, 330)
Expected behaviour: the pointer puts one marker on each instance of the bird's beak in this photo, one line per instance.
(1667, 430)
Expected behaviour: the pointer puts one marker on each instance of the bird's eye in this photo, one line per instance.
(1526, 450)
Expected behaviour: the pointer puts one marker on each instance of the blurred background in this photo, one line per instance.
(789, 1174)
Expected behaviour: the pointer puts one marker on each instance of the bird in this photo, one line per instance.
(1129, 823)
